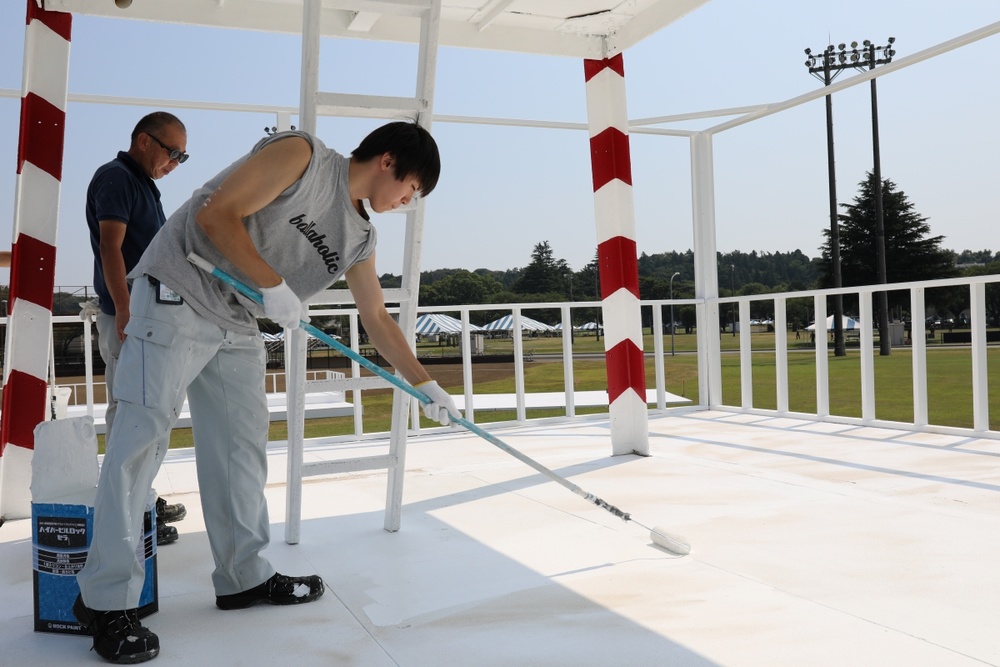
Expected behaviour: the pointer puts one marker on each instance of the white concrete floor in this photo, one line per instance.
(813, 544)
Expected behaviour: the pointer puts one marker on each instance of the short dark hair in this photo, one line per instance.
(412, 146)
(154, 122)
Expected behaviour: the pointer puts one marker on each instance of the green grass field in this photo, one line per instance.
(949, 373)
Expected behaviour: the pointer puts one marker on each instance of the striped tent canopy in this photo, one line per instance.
(433, 323)
(506, 323)
(589, 326)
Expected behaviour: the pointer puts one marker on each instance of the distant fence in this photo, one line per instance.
(966, 337)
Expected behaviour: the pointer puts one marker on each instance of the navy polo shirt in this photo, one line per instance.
(121, 190)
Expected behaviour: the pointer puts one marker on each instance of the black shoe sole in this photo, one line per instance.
(133, 659)
(251, 601)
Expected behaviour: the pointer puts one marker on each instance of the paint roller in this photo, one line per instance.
(659, 535)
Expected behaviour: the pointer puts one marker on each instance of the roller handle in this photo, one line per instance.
(254, 295)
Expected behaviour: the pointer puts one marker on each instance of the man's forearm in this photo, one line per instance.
(391, 344)
(114, 279)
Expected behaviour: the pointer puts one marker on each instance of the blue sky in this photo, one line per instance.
(505, 189)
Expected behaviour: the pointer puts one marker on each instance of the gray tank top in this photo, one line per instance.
(310, 234)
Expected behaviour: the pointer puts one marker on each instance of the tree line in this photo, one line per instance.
(912, 254)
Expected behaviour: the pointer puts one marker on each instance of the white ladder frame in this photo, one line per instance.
(420, 110)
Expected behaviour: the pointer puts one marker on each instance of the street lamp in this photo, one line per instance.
(676, 273)
(597, 293)
(732, 284)
(569, 281)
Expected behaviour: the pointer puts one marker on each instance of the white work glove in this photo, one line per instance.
(441, 403)
(89, 310)
(281, 305)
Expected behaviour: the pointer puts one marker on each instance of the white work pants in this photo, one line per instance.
(110, 347)
(171, 350)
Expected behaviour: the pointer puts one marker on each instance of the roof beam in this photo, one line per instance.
(363, 21)
(488, 12)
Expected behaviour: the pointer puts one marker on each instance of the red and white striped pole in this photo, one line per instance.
(32, 275)
(616, 252)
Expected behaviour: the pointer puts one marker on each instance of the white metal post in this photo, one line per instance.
(567, 345)
(295, 342)
(661, 376)
(918, 349)
(781, 353)
(746, 356)
(822, 357)
(867, 357)
(426, 73)
(980, 375)
(706, 278)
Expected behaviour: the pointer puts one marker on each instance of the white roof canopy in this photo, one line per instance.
(577, 28)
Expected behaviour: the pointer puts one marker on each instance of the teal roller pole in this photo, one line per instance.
(658, 535)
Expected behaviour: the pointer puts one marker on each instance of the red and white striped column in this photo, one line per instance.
(616, 252)
(32, 275)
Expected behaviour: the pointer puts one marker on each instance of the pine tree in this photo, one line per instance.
(910, 252)
(545, 274)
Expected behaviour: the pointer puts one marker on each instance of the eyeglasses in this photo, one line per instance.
(175, 153)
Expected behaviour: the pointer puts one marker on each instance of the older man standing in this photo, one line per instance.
(124, 214)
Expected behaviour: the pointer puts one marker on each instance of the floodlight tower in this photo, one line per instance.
(824, 68)
(835, 61)
(879, 55)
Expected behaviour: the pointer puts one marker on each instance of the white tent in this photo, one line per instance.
(589, 326)
(850, 324)
(433, 323)
(506, 323)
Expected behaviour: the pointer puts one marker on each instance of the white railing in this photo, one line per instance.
(83, 393)
(272, 381)
(709, 354)
(868, 351)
